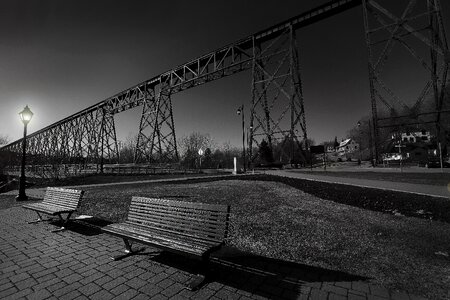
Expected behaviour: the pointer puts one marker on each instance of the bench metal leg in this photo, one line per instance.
(198, 279)
(64, 221)
(128, 251)
(39, 219)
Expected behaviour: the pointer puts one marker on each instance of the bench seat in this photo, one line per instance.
(159, 239)
(49, 209)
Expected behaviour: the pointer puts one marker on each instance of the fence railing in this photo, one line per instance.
(74, 170)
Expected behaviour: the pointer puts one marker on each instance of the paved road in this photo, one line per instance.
(422, 189)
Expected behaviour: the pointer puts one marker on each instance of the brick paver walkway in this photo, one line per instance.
(76, 264)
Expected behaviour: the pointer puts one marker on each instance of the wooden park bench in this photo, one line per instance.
(57, 201)
(186, 228)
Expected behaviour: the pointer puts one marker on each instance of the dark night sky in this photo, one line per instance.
(60, 57)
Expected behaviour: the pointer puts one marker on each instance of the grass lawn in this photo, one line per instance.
(408, 177)
(281, 221)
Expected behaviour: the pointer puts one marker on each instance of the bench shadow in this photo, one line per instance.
(87, 227)
(263, 276)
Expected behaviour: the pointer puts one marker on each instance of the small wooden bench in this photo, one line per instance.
(186, 228)
(57, 201)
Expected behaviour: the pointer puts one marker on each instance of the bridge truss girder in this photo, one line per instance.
(419, 30)
(277, 110)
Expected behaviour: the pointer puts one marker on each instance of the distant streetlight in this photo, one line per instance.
(240, 111)
(25, 116)
(200, 153)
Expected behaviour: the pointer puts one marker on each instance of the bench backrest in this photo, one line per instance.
(67, 198)
(195, 222)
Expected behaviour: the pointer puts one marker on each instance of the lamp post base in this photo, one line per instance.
(21, 197)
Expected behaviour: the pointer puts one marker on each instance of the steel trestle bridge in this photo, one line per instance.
(277, 109)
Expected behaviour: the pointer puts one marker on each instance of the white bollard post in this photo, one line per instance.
(235, 166)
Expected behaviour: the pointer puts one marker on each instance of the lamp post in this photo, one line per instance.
(200, 154)
(359, 131)
(25, 116)
(240, 111)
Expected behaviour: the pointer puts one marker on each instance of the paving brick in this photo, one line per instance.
(89, 289)
(172, 290)
(141, 297)
(119, 289)
(45, 278)
(150, 290)
(399, 296)
(204, 293)
(355, 297)
(72, 278)
(70, 296)
(318, 294)
(134, 273)
(46, 283)
(136, 283)
(157, 278)
(334, 289)
(113, 283)
(11, 268)
(336, 297)
(20, 294)
(57, 286)
(67, 289)
(93, 277)
(39, 295)
(102, 295)
(6, 286)
(63, 273)
(415, 297)
(159, 297)
(225, 294)
(361, 286)
(129, 294)
(29, 282)
(102, 280)
(165, 283)
(343, 284)
(373, 297)
(379, 291)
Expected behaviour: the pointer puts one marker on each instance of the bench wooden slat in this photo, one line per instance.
(192, 220)
(174, 203)
(205, 239)
(182, 225)
(47, 208)
(178, 239)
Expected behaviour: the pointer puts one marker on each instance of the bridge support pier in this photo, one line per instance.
(156, 139)
(417, 30)
(277, 110)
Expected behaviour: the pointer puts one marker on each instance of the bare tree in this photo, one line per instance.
(127, 148)
(4, 139)
(190, 144)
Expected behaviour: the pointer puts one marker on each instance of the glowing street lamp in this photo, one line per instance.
(25, 116)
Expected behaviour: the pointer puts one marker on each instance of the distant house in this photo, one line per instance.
(348, 146)
(330, 148)
(416, 137)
